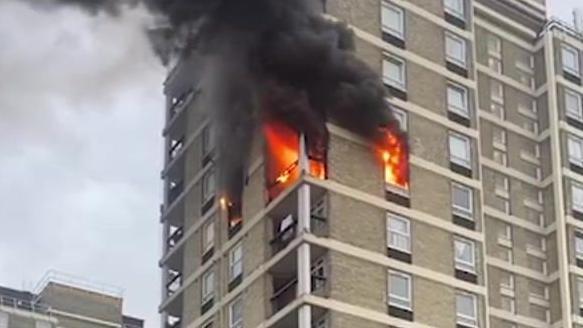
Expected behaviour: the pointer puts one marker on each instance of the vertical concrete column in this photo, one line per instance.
(303, 226)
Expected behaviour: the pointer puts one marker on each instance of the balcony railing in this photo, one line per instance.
(288, 292)
(24, 305)
(182, 100)
(175, 191)
(176, 148)
(175, 237)
(174, 284)
(285, 236)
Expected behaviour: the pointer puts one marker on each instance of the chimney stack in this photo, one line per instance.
(578, 19)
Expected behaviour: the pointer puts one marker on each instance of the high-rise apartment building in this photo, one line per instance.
(485, 230)
(64, 301)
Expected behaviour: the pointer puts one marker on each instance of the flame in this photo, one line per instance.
(283, 158)
(396, 162)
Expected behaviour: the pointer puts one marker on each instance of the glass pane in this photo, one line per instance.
(465, 305)
(399, 286)
(393, 20)
(462, 197)
(463, 251)
(398, 224)
(459, 148)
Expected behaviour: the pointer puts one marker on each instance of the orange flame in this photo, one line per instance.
(396, 162)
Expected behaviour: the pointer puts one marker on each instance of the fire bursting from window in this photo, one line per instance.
(282, 165)
(395, 157)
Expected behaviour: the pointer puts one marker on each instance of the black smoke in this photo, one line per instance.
(272, 59)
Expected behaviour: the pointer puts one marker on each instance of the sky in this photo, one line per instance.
(81, 113)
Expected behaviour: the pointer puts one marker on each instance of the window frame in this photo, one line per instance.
(208, 292)
(234, 262)
(453, 11)
(407, 235)
(208, 243)
(472, 321)
(401, 85)
(207, 194)
(391, 297)
(565, 48)
(401, 13)
(578, 252)
(239, 322)
(573, 141)
(574, 206)
(208, 140)
(467, 213)
(465, 110)
(451, 37)
(461, 264)
(402, 117)
(579, 110)
(467, 163)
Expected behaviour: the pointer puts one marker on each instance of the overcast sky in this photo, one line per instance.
(81, 111)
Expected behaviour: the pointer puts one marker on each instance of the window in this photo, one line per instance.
(236, 261)
(494, 53)
(401, 117)
(42, 324)
(208, 140)
(3, 320)
(208, 186)
(400, 290)
(208, 237)
(580, 292)
(208, 286)
(455, 7)
(539, 312)
(462, 201)
(577, 197)
(460, 150)
(399, 233)
(394, 72)
(465, 256)
(508, 303)
(538, 290)
(455, 49)
(496, 91)
(505, 234)
(499, 136)
(573, 105)
(457, 100)
(393, 20)
(236, 313)
(570, 58)
(466, 310)
(575, 146)
(579, 245)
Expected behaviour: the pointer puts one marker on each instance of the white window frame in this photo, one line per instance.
(401, 117)
(208, 292)
(575, 113)
(208, 242)
(572, 142)
(208, 140)
(467, 213)
(463, 319)
(573, 51)
(574, 206)
(406, 235)
(579, 294)
(207, 194)
(400, 33)
(396, 300)
(579, 252)
(465, 162)
(401, 83)
(455, 11)
(461, 264)
(452, 38)
(236, 261)
(465, 109)
(236, 322)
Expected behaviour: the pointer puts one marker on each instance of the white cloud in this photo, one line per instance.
(81, 111)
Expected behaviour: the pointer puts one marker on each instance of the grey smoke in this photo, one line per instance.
(274, 60)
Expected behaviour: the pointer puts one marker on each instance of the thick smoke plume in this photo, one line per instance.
(273, 60)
